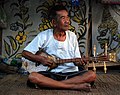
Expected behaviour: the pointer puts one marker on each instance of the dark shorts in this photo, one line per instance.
(57, 76)
(61, 76)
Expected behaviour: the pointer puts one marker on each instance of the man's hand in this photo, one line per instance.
(82, 61)
(44, 60)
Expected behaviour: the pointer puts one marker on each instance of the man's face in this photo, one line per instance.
(62, 20)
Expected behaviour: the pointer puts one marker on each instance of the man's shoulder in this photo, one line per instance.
(46, 34)
(70, 33)
(46, 31)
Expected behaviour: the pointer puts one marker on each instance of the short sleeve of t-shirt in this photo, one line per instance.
(40, 41)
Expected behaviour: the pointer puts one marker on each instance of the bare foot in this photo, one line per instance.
(83, 86)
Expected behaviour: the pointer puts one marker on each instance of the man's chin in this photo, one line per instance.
(66, 28)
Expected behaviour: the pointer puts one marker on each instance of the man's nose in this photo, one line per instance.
(67, 21)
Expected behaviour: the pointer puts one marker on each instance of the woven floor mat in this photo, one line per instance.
(14, 84)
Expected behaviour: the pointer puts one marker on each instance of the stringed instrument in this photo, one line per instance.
(77, 61)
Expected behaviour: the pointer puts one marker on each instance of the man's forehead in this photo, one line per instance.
(62, 12)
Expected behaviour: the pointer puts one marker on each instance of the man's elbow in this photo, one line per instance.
(24, 53)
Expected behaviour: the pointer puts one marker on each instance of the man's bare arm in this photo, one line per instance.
(36, 58)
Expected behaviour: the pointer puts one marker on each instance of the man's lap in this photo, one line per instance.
(57, 76)
(61, 76)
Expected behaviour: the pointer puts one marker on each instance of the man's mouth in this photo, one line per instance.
(66, 25)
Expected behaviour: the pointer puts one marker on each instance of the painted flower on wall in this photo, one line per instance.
(21, 37)
(13, 44)
(14, 27)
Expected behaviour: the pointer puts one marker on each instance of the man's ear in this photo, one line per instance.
(53, 22)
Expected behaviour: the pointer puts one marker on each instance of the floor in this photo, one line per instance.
(106, 84)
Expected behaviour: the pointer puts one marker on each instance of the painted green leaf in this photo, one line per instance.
(28, 25)
(14, 4)
(23, 1)
(12, 42)
(41, 8)
(18, 14)
(82, 46)
(81, 42)
(20, 24)
(26, 19)
(19, 55)
(7, 48)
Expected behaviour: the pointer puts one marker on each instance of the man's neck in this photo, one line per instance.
(59, 35)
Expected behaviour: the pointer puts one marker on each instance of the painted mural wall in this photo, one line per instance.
(106, 28)
(26, 18)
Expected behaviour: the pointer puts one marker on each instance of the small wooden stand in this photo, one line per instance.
(94, 53)
(105, 68)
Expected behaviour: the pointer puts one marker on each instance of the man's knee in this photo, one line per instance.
(34, 77)
(32, 80)
(92, 75)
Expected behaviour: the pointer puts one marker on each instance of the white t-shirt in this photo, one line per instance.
(63, 50)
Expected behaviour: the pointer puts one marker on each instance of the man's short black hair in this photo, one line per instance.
(52, 13)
